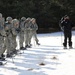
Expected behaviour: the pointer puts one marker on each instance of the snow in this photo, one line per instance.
(49, 58)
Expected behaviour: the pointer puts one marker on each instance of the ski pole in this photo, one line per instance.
(61, 38)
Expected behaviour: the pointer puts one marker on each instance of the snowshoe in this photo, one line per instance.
(22, 48)
(3, 63)
(70, 47)
(65, 48)
(27, 46)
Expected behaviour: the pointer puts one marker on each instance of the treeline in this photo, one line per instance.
(46, 12)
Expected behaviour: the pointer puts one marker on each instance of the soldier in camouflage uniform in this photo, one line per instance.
(27, 33)
(2, 35)
(8, 39)
(15, 27)
(22, 29)
(34, 28)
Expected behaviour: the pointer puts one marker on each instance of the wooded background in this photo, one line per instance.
(46, 12)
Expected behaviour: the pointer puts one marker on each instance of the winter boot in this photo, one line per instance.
(38, 43)
(2, 55)
(27, 46)
(2, 59)
(1, 63)
(64, 44)
(70, 47)
(21, 47)
(9, 55)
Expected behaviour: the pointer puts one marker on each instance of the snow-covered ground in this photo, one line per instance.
(47, 59)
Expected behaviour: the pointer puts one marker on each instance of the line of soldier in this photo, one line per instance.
(10, 28)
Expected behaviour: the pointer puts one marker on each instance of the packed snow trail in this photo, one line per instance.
(47, 59)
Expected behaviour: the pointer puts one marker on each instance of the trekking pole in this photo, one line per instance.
(61, 37)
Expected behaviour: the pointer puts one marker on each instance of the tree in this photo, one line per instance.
(46, 12)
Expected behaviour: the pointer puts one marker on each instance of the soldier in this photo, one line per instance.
(22, 28)
(8, 39)
(2, 35)
(34, 28)
(15, 27)
(27, 33)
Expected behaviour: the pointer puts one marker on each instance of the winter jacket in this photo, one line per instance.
(67, 25)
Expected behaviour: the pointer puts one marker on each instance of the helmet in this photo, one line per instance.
(33, 19)
(28, 19)
(15, 21)
(8, 18)
(23, 18)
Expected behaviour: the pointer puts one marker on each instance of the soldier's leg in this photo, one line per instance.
(21, 40)
(30, 37)
(9, 46)
(70, 41)
(26, 39)
(14, 46)
(36, 39)
(2, 48)
(65, 40)
(1, 53)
